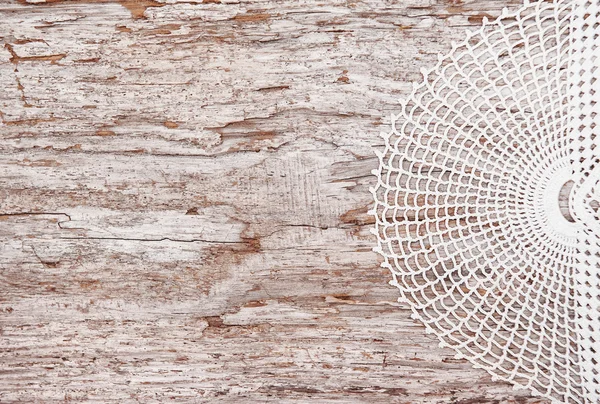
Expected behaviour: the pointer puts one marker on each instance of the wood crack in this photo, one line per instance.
(195, 240)
(35, 214)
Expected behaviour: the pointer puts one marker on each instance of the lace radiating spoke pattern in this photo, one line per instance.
(467, 208)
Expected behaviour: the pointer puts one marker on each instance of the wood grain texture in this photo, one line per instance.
(184, 188)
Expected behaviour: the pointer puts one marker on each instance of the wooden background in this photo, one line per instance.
(184, 196)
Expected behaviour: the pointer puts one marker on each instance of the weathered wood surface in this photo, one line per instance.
(184, 190)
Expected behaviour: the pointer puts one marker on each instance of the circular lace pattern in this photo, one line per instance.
(467, 209)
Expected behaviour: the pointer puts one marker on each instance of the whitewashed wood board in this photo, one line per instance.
(184, 195)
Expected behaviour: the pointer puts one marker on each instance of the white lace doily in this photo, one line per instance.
(467, 209)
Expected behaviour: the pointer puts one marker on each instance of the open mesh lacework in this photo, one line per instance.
(466, 202)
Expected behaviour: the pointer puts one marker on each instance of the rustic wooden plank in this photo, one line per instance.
(184, 197)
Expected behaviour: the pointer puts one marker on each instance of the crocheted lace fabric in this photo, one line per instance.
(468, 218)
